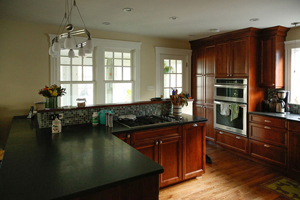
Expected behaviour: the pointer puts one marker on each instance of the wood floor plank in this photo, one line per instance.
(229, 177)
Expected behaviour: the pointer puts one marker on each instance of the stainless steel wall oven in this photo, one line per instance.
(231, 93)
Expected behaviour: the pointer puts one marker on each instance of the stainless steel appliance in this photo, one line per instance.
(237, 126)
(147, 121)
(234, 90)
(282, 102)
(228, 91)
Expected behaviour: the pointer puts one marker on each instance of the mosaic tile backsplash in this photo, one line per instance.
(83, 116)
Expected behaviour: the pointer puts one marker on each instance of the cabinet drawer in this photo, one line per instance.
(269, 153)
(294, 126)
(156, 133)
(268, 134)
(232, 141)
(268, 121)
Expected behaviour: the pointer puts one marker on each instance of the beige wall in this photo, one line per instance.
(25, 68)
(293, 34)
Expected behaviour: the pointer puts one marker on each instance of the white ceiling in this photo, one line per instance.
(152, 17)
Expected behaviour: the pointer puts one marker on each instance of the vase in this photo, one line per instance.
(51, 102)
(177, 110)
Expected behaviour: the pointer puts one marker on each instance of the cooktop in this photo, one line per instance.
(147, 121)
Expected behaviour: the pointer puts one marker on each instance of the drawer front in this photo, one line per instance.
(294, 126)
(269, 153)
(268, 134)
(232, 141)
(268, 121)
(156, 133)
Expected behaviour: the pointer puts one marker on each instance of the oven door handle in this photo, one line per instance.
(240, 105)
(232, 86)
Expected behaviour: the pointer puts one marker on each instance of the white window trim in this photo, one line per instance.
(161, 51)
(289, 45)
(102, 45)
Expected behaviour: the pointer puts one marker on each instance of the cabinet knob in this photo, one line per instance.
(273, 84)
(160, 142)
(221, 132)
(266, 127)
(268, 121)
(128, 136)
(227, 74)
(156, 143)
(265, 145)
(195, 125)
(237, 137)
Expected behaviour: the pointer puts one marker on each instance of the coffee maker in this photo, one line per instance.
(282, 102)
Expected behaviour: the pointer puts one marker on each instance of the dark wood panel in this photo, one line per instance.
(267, 62)
(239, 66)
(124, 137)
(223, 59)
(199, 110)
(294, 126)
(269, 153)
(209, 90)
(149, 148)
(209, 60)
(193, 150)
(232, 141)
(268, 134)
(199, 98)
(210, 131)
(294, 155)
(170, 157)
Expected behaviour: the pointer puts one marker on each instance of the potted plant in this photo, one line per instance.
(51, 93)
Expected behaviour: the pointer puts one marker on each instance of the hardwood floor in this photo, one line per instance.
(228, 177)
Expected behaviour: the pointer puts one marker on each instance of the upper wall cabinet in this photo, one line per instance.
(272, 57)
(232, 58)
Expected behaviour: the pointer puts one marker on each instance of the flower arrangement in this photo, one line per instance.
(52, 91)
(179, 99)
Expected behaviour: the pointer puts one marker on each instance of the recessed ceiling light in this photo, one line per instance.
(295, 23)
(253, 19)
(127, 9)
(105, 23)
(192, 35)
(174, 18)
(214, 30)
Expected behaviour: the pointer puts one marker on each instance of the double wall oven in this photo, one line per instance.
(226, 93)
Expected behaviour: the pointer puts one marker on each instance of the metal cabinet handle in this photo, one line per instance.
(237, 137)
(266, 127)
(221, 132)
(268, 121)
(195, 125)
(128, 136)
(273, 84)
(227, 74)
(156, 143)
(160, 142)
(265, 145)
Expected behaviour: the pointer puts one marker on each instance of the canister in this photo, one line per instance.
(56, 126)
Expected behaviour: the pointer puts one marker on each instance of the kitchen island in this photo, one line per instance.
(81, 161)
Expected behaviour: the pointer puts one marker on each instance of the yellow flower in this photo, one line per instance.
(54, 94)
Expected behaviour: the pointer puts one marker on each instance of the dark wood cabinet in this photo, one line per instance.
(232, 141)
(294, 149)
(162, 145)
(193, 136)
(232, 58)
(124, 137)
(272, 57)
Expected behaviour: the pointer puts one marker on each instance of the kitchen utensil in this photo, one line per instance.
(280, 106)
(272, 104)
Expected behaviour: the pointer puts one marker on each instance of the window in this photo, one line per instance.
(110, 75)
(173, 70)
(76, 75)
(118, 82)
(293, 70)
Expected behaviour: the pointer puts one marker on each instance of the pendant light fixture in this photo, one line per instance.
(70, 42)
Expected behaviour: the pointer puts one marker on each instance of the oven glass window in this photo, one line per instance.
(230, 92)
(225, 120)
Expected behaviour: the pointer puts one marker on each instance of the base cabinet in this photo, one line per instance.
(294, 149)
(232, 141)
(194, 145)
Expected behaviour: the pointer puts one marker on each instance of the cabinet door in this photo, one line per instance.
(239, 64)
(269, 153)
(209, 60)
(199, 110)
(232, 141)
(193, 150)
(199, 95)
(210, 131)
(294, 155)
(209, 90)
(170, 158)
(124, 137)
(267, 78)
(222, 59)
(149, 148)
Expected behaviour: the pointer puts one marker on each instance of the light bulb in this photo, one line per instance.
(89, 44)
(69, 42)
(88, 51)
(56, 46)
(51, 52)
(71, 53)
(81, 51)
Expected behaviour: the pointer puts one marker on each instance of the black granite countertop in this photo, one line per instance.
(287, 115)
(82, 159)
